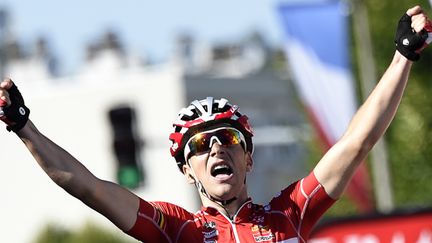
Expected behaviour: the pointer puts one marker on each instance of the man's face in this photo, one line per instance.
(222, 170)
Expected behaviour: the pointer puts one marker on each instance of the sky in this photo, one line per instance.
(146, 28)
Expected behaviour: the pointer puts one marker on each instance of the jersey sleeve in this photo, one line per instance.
(158, 221)
(304, 202)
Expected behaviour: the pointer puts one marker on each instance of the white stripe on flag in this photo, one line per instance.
(327, 90)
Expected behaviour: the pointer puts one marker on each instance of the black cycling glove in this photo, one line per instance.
(408, 42)
(16, 115)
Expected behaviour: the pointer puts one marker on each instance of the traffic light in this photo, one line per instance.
(127, 147)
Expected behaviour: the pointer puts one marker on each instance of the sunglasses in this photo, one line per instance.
(203, 141)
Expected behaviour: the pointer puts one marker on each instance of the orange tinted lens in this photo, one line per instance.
(200, 143)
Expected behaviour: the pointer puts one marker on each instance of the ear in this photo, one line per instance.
(187, 171)
(249, 162)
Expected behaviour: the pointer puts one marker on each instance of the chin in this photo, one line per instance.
(225, 192)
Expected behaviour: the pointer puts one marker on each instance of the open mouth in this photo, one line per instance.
(221, 171)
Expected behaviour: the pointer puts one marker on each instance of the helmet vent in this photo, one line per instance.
(203, 114)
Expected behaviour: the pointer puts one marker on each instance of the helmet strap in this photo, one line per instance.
(203, 191)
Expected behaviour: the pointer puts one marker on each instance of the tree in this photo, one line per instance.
(89, 233)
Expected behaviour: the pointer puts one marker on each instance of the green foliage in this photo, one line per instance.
(53, 234)
(89, 233)
(344, 206)
(409, 138)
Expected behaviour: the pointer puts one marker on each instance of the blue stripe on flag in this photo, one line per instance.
(322, 27)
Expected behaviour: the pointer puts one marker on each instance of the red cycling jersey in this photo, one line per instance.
(289, 217)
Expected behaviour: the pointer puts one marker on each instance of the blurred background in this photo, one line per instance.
(105, 80)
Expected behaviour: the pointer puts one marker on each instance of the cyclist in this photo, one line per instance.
(212, 144)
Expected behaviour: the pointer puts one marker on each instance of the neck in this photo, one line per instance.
(229, 209)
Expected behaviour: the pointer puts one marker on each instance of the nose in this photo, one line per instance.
(217, 149)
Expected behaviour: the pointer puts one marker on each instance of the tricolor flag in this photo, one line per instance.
(317, 50)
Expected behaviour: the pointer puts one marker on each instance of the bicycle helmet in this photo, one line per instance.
(206, 114)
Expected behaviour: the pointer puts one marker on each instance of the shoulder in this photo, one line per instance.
(299, 191)
(171, 209)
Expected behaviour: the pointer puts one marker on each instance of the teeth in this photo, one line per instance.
(221, 167)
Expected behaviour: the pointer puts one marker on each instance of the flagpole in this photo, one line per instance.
(378, 155)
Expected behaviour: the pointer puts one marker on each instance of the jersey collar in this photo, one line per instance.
(242, 213)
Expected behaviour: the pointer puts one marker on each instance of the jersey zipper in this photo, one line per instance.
(233, 225)
(234, 230)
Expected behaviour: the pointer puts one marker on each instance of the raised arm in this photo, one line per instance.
(114, 202)
(372, 119)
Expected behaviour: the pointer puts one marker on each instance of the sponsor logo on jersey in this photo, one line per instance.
(263, 238)
(210, 225)
(210, 232)
(262, 233)
(263, 229)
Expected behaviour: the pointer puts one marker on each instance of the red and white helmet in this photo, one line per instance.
(206, 114)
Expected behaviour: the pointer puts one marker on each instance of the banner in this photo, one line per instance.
(395, 228)
(316, 46)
